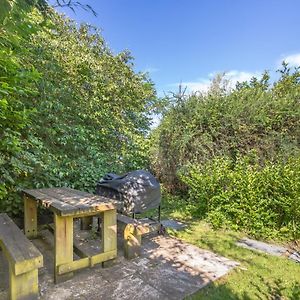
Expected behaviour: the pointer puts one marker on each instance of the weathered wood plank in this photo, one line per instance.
(74, 265)
(20, 252)
(133, 231)
(66, 198)
(125, 219)
(128, 220)
(84, 200)
(48, 201)
(88, 212)
(109, 230)
(30, 217)
(140, 226)
(132, 242)
(63, 243)
(86, 262)
(103, 257)
(69, 202)
(24, 286)
(23, 260)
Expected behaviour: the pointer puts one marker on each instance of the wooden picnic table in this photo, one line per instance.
(67, 204)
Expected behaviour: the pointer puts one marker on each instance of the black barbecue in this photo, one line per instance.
(136, 191)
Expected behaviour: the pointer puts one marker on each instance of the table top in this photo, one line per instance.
(70, 202)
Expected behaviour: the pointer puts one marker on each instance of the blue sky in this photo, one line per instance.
(189, 41)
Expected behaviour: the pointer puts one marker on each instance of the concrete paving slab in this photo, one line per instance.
(295, 256)
(269, 249)
(174, 283)
(132, 287)
(167, 269)
(184, 256)
(261, 246)
(173, 224)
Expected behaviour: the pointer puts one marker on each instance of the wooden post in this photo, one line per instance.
(23, 286)
(132, 242)
(63, 241)
(109, 232)
(30, 217)
(86, 223)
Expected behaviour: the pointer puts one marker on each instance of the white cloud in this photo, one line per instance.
(293, 60)
(203, 84)
(240, 76)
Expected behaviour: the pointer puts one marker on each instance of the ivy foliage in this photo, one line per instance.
(71, 110)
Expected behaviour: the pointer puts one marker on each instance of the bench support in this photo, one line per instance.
(23, 286)
(23, 258)
(132, 242)
(133, 231)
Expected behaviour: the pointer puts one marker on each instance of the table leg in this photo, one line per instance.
(30, 217)
(109, 231)
(86, 223)
(63, 241)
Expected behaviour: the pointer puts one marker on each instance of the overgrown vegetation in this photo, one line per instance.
(71, 110)
(236, 154)
(262, 201)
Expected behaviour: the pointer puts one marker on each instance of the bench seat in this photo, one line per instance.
(132, 232)
(24, 260)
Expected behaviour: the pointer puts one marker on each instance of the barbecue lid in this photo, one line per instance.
(140, 189)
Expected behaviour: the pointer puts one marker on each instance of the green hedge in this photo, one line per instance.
(70, 109)
(256, 116)
(261, 200)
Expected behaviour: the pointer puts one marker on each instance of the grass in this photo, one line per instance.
(259, 275)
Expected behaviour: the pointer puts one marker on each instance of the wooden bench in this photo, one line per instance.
(24, 259)
(133, 230)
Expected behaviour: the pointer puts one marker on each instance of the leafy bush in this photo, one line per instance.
(71, 110)
(254, 116)
(18, 79)
(264, 201)
(236, 153)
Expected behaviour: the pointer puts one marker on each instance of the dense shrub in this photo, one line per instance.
(254, 116)
(18, 79)
(264, 201)
(236, 153)
(71, 110)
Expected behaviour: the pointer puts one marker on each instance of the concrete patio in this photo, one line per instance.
(167, 269)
